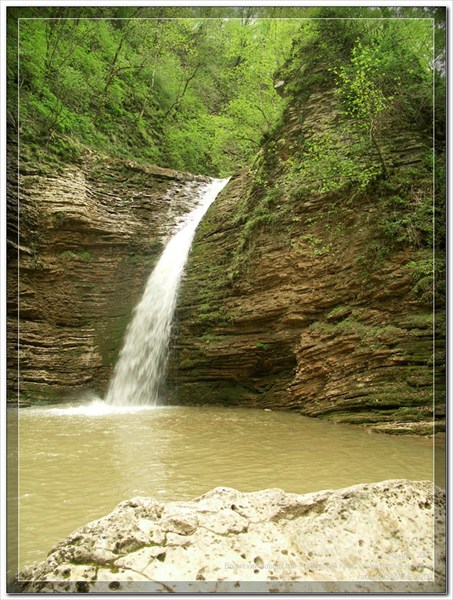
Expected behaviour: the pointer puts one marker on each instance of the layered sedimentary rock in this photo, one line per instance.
(303, 300)
(368, 537)
(82, 241)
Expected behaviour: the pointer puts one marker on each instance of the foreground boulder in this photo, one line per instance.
(368, 537)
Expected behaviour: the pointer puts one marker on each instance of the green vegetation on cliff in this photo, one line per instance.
(376, 78)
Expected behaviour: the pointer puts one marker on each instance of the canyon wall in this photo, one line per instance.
(311, 300)
(310, 282)
(83, 239)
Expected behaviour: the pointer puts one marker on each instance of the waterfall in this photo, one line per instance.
(140, 370)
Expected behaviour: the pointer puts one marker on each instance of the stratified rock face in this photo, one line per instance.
(298, 300)
(88, 237)
(369, 537)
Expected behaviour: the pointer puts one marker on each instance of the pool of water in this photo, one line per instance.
(76, 463)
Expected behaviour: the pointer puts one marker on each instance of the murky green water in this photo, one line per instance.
(75, 466)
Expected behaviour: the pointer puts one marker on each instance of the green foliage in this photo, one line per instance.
(428, 275)
(408, 208)
(357, 83)
(263, 345)
(422, 273)
(380, 71)
(317, 246)
(369, 336)
(331, 161)
(84, 255)
(186, 93)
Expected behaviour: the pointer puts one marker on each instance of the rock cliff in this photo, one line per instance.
(82, 241)
(304, 298)
(366, 538)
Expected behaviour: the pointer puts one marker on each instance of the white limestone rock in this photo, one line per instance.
(380, 537)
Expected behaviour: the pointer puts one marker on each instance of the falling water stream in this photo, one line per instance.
(140, 370)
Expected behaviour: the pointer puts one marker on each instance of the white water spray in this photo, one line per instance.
(140, 370)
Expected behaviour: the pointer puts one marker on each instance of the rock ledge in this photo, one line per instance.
(368, 537)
